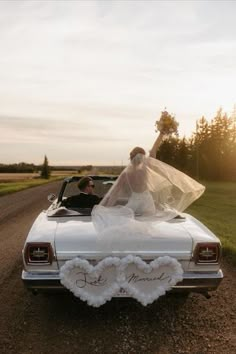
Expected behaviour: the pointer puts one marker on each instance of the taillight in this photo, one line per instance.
(38, 253)
(207, 253)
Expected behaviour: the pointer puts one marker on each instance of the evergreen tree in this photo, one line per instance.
(201, 148)
(213, 148)
(168, 150)
(45, 172)
(182, 155)
(210, 153)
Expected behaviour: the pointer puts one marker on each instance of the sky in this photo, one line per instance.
(85, 81)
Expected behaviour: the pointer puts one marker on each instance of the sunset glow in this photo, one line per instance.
(84, 82)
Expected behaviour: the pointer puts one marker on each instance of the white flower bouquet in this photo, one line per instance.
(167, 124)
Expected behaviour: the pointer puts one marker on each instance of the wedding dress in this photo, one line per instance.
(146, 192)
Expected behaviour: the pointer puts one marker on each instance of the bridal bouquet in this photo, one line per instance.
(167, 124)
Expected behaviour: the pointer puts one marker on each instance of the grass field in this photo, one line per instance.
(20, 177)
(12, 187)
(14, 182)
(217, 210)
(15, 177)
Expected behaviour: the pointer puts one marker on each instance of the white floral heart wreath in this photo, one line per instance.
(165, 271)
(142, 281)
(69, 272)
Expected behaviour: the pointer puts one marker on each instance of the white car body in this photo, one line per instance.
(56, 238)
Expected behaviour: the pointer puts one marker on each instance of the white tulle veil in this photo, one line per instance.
(147, 190)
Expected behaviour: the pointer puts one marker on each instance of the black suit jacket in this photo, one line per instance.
(82, 200)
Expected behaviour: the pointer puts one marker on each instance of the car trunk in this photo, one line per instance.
(78, 238)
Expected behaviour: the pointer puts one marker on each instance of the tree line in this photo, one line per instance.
(210, 153)
(23, 167)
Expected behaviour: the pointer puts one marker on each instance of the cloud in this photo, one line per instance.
(99, 73)
(36, 131)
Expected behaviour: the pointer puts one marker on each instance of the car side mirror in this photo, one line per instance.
(51, 197)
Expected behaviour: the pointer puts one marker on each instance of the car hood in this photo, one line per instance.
(75, 237)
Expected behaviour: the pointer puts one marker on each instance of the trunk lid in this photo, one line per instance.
(78, 238)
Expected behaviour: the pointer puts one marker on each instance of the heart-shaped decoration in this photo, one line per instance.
(146, 282)
(94, 284)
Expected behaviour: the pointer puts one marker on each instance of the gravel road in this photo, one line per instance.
(62, 323)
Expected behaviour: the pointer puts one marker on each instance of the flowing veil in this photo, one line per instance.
(147, 191)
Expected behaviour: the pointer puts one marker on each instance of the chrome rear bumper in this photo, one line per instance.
(192, 282)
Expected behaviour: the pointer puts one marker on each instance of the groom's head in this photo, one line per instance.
(86, 185)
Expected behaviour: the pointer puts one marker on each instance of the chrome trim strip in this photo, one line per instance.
(139, 252)
(191, 281)
(181, 255)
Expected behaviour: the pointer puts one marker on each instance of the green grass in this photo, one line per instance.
(11, 187)
(217, 210)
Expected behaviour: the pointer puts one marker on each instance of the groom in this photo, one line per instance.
(86, 198)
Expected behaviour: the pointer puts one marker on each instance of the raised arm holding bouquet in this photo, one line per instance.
(166, 126)
(151, 187)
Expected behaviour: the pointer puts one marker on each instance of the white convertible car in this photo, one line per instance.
(63, 252)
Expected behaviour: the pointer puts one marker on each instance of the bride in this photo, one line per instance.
(150, 189)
